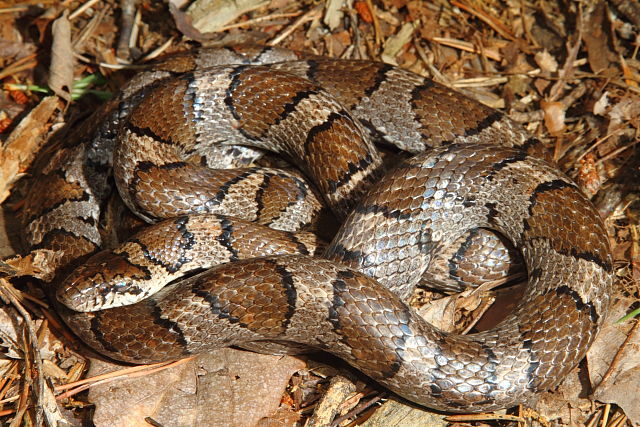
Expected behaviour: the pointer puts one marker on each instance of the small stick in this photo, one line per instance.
(618, 356)
(308, 16)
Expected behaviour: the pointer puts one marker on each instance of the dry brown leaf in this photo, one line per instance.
(62, 60)
(363, 11)
(183, 21)
(51, 410)
(601, 105)
(41, 264)
(23, 144)
(227, 387)
(334, 12)
(395, 43)
(51, 370)
(441, 313)
(208, 16)
(627, 108)
(554, 116)
(283, 417)
(624, 392)
(11, 332)
(567, 403)
(596, 39)
(630, 77)
(589, 176)
(546, 62)
(623, 385)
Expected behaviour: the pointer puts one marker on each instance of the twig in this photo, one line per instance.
(135, 30)
(339, 395)
(618, 356)
(312, 14)
(605, 415)
(620, 420)
(598, 142)
(157, 51)
(376, 23)
(630, 9)
(614, 153)
(498, 26)
(55, 324)
(128, 8)
(469, 47)
(358, 409)
(480, 82)
(132, 372)
(568, 69)
(258, 20)
(525, 27)
(18, 66)
(80, 10)
(79, 39)
(14, 9)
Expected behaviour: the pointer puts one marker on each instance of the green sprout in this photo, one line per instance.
(80, 88)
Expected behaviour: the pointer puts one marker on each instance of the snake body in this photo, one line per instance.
(475, 170)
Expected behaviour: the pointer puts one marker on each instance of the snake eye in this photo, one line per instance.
(120, 285)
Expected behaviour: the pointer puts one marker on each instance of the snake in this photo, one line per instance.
(228, 254)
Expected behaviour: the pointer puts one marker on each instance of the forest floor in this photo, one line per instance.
(567, 70)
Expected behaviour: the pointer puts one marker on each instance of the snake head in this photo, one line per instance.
(106, 280)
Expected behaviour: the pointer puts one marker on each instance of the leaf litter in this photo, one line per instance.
(567, 71)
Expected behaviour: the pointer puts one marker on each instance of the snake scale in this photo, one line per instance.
(472, 169)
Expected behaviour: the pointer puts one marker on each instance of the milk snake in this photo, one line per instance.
(474, 169)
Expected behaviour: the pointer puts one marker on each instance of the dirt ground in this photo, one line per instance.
(567, 70)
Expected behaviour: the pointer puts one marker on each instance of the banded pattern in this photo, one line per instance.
(228, 105)
(322, 115)
(477, 257)
(325, 305)
(171, 249)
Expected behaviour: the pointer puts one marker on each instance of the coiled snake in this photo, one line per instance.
(473, 170)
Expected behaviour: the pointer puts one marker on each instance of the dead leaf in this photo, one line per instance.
(596, 39)
(11, 333)
(601, 105)
(51, 410)
(333, 13)
(567, 403)
(23, 144)
(62, 59)
(624, 392)
(183, 22)
(15, 49)
(627, 108)
(589, 175)
(546, 62)
(441, 313)
(227, 387)
(623, 385)
(40, 263)
(208, 16)
(395, 43)
(554, 116)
